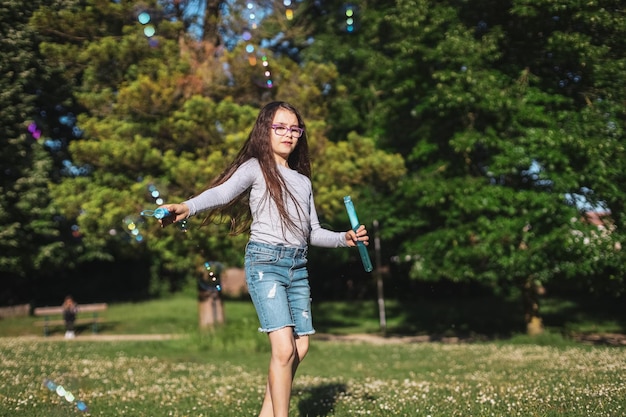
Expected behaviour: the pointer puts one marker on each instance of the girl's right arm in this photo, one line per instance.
(217, 196)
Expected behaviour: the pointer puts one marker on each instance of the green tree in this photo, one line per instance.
(170, 112)
(504, 110)
(504, 138)
(30, 243)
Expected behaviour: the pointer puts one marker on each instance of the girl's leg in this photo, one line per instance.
(287, 353)
(302, 348)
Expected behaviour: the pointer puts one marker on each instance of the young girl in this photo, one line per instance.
(272, 171)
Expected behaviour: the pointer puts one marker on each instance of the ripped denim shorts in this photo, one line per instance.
(278, 283)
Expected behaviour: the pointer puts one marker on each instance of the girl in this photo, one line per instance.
(272, 172)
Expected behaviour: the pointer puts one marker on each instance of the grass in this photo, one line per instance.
(218, 375)
(482, 318)
(222, 372)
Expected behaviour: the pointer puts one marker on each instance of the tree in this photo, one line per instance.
(30, 242)
(504, 138)
(170, 111)
(504, 111)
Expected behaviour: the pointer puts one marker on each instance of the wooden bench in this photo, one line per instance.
(50, 314)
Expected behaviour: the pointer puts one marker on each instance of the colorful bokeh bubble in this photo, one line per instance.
(350, 12)
(288, 9)
(149, 31)
(144, 18)
(155, 194)
(34, 130)
(148, 28)
(53, 144)
(133, 226)
(76, 231)
(210, 278)
(64, 393)
(71, 170)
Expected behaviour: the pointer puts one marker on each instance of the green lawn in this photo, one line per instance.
(196, 377)
(489, 317)
(222, 372)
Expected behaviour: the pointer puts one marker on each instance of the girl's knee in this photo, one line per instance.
(284, 354)
(283, 344)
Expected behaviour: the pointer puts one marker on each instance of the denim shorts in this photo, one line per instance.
(278, 283)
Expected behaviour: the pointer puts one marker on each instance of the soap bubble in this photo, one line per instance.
(132, 226)
(144, 18)
(62, 392)
(149, 31)
(210, 278)
(50, 384)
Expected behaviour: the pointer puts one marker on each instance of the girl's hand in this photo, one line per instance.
(360, 235)
(177, 212)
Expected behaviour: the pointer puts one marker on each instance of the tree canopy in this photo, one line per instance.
(481, 134)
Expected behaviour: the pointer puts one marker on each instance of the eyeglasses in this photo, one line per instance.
(281, 130)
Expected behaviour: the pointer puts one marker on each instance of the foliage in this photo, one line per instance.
(505, 113)
(169, 113)
(479, 134)
(30, 240)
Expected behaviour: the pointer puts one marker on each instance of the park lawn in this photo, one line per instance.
(216, 374)
(222, 372)
(465, 316)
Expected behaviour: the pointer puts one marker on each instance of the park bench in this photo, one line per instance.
(86, 314)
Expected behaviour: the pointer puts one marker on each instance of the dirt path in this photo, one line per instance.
(105, 337)
(607, 339)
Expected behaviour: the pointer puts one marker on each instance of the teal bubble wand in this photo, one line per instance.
(161, 213)
(158, 213)
(354, 222)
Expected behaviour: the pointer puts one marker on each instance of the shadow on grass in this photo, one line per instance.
(576, 314)
(482, 317)
(319, 401)
(476, 317)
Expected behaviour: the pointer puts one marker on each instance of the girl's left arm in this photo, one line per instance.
(329, 239)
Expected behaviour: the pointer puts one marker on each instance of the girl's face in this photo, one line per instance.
(284, 122)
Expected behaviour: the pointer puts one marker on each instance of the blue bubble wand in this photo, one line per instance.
(354, 222)
(161, 213)
(158, 213)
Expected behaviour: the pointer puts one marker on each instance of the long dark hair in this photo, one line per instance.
(258, 145)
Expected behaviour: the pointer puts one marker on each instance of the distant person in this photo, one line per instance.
(269, 182)
(70, 308)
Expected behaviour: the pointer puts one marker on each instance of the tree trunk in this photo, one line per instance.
(210, 32)
(210, 309)
(530, 294)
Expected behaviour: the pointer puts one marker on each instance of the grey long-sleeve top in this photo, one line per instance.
(266, 223)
